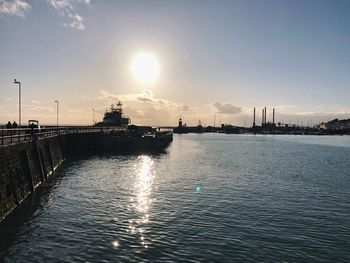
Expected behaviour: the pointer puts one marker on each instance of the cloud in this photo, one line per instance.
(227, 108)
(156, 114)
(133, 112)
(37, 108)
(64, 8)
(149, 115)
(36, 102)
(145, 107)
(144, 99)
(14, 7)
(67, 8)
(69, 110)
(184, 107)
(107, 95)
(146, 96)
(77, 22)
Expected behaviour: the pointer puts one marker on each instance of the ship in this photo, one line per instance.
(114, 117)
(117, 135)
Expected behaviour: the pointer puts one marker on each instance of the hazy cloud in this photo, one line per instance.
(133, 112)
(64, 8)
(156, 114)
(107, 95)
(150, 115)
(184, 107)
(67, 8)
(14, 7)
(37, 108)
(77, 22)
(36, 102)
(146, 108)
(227, 108)
(146, 96)
(145, 99)
(76, 110)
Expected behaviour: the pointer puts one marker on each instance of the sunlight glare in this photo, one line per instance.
(145, 68)
(143, 184)
(115, 244)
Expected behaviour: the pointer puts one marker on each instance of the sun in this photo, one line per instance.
(145, 68)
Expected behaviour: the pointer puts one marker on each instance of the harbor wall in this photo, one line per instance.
(25, 165)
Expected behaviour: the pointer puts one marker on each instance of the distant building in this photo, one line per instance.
(337, 124)
(322, 126)
(182, 128)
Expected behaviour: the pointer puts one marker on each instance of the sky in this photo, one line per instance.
(215, 57)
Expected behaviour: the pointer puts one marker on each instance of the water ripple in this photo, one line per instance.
(211, 198)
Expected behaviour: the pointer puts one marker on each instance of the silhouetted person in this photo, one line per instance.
(14, 125)
(8, 125)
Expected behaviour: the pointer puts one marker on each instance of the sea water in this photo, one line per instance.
(209, 198)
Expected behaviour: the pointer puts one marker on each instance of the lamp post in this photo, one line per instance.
(93, 116)
(214, 119)
(19, 102)
(57, 114)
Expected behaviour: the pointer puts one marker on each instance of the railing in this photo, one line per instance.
(9, 136)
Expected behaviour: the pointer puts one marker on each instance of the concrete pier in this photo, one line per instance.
(25, 165)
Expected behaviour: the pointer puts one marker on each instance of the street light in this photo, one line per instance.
(93, 116)
(19, 102)
(57, 114)
(214, 119)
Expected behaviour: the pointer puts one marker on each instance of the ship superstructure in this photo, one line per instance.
(115, 116)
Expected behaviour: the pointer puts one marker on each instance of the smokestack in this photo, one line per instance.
(265, 116)
(262, 118)
(273, 116)
(254, 119)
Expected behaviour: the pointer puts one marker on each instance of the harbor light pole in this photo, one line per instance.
(214, 119)
(19, 102)
(57, 114)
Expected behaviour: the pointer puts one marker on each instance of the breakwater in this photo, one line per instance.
(25, 165)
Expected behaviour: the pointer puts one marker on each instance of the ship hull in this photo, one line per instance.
(130, 142)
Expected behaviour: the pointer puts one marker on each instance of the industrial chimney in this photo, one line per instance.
(273, 116)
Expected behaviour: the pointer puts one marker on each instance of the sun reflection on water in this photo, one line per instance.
(142, 200)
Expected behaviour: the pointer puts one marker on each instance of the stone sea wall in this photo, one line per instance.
(25, 165)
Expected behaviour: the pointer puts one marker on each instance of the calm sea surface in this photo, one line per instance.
(211, 198)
